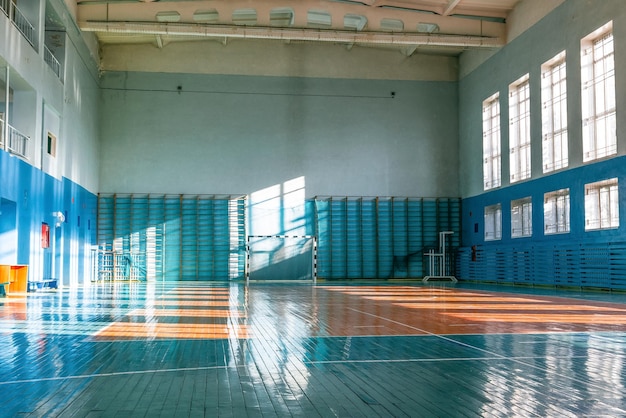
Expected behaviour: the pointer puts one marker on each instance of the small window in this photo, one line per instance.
(391, 25)
(519, 129)
(354, 22)
(318, 19)
(168, 16)
(492, 154)
(556, 212)
(424, 27)
(601, 205)
(51, 147)
(598, 94)
(281, 16)
(206, 16)
(554, 114)
(493, 222)
(522, 218)
(244, 17)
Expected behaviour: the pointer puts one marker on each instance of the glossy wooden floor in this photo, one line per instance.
(351, 350)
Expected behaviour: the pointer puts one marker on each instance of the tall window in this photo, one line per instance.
(492, 154)
(554, 114)
(556, 212)
(522, 218)
(598, 94)
(601, 205)
(519, 129)
(493, 222)
(491, 142)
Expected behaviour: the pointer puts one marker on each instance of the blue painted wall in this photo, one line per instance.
(574, 179)
(29, 198)
(577, 258)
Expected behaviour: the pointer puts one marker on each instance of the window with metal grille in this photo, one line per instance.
(519, 129)
(554, 113)
(598, 94)
(556, 212)
(522, 218)
(491, 142)
(493, 222)
(601, 205)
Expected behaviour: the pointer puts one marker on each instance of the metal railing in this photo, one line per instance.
(22, 24)
(118, 265)
(17, 142)
(51, 60)
(4, 5)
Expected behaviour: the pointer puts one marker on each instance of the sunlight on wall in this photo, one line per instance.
(278, 248)
(8, 247)
(278, 209)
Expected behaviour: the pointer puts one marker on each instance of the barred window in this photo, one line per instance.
(554, 113)
(493, 222)
(598, 94)
(601, 205)
(491, 142)
(556, 212)
(519, 129)
(522, 218)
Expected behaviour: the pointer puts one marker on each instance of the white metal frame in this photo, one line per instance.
(438, 267)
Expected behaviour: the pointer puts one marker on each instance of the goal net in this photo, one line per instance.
(281, 258)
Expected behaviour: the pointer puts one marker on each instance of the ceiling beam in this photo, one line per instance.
(300, 34)
(187, 12)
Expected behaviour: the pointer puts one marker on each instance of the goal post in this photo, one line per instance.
(281, 258)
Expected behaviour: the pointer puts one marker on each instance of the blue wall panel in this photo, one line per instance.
(171, 237)
(37, 198)
(381, 237)
(579, 258)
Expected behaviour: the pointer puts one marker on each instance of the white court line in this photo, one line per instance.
(436, 360)
(490, 353)
(90, 376)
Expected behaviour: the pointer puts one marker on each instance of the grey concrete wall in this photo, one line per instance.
(239, 134)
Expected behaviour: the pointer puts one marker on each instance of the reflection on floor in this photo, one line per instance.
(351, 349)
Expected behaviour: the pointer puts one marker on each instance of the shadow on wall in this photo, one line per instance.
(281, 267)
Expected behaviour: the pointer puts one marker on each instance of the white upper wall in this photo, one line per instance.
(273, 58)
(525, 14)
(73, 99)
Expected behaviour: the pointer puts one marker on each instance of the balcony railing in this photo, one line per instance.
(17, 142)
(22, 23)
(4, 5)
(51, 60)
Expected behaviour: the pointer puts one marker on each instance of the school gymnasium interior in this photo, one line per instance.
(333, 208)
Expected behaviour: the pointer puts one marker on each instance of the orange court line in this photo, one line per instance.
(187, 297)
(508, 307)
(588, 319)
(440, 299)
(186, 331)
(198, 292)
(388, 289)
(195, 313)
(208, 302)
(165, 325)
